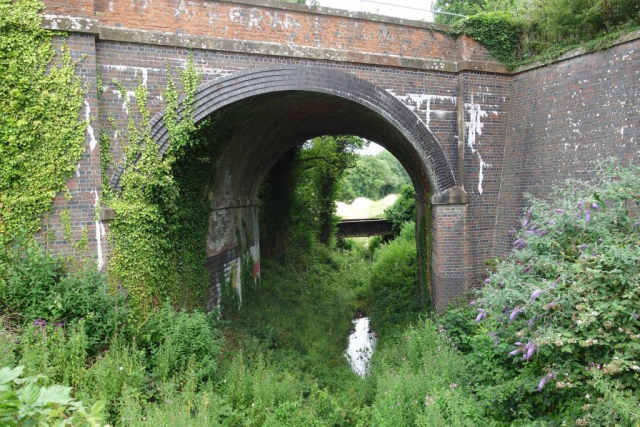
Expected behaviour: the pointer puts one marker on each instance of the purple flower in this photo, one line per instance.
(544, 380)
(580, 204)
(635, 316)
(582, 247)
(529, 349)
(514, 352)
(513, 314)
(636, 224)
(519, 244)
(550, 222)
(551, 305)
(481, 315)
(527, 270)
(487, 281)
(595, 206)
(535, 294)
(473, 302)
(40, 323)
(541, 233)
(587, 216)
(559, 211)
(532, 321)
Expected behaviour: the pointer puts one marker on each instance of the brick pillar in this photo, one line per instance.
(449, 265)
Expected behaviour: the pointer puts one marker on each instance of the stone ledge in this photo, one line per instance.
(452, 196)
(70, 24)
(159, 38)
(319, 10)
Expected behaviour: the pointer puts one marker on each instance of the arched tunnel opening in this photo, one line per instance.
(260, 135)
(250, 120)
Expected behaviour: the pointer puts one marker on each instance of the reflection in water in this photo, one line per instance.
(362, 343)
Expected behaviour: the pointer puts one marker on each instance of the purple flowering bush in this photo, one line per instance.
(563, 305)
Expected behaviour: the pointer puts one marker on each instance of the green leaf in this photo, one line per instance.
(29, 394)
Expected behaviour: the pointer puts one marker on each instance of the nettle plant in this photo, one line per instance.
(566, 302)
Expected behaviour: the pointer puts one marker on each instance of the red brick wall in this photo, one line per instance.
(563, 119)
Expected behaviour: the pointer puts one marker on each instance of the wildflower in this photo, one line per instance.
(41, 323)
(453, 385)
(580, 204)
(481, 315)
(550, 222)
(595, 206)
(514, 352)
(529, 349)
(559, 211)
(582, 247)
(635, 316)
(541, 233)
(636, 224)
(519, 244)
(535, 294)
(552, 306)
(532, 321)
(472, 303)
(527, 270)
(487, 281)
(513, 314)
(544, 380)
(587, 216)
(428, 400)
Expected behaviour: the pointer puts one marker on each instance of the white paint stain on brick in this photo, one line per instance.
(142, 70)
(127, 101)
(100, 231)
(421, 103)
(474, 129)
(87, 116)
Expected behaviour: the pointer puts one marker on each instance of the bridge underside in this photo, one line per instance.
(363, 228)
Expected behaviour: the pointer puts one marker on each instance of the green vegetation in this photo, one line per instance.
(41, 138)
(555, 336)
(520, 31)
(373, 177)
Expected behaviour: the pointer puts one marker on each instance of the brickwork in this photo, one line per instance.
(563, 119)
(85, 187)
(282, 73)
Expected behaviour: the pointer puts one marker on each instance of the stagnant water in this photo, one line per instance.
(362, 343)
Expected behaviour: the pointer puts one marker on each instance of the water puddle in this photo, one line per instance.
(362, 343)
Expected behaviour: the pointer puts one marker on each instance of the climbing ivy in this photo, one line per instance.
(41, 138)
(161, 222)
(498, 31)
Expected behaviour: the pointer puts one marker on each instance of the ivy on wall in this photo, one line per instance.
(161, 222)
(41, 138)
(498, 31)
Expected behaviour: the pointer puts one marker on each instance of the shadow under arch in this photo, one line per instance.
(268, 111)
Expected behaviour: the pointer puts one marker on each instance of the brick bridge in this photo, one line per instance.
(472, 134)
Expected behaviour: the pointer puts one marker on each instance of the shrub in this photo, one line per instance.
(394, 280)
(39, 286)
(24, 403)
(566, 302)
(403, 210)
(173, 339)
(499, 32)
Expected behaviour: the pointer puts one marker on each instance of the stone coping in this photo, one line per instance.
(320, 10)
(159, 38)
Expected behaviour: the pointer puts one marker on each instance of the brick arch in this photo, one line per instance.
(425, 151)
